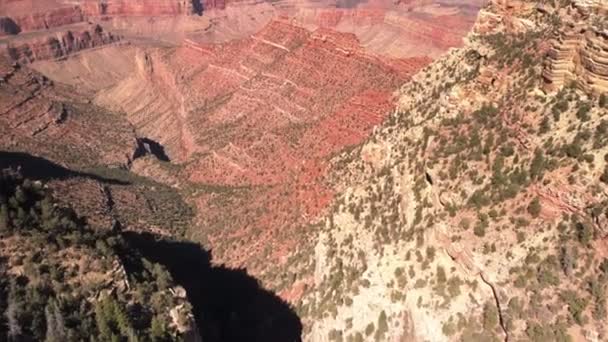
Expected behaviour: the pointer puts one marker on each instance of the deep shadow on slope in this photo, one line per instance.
(147, 145)
(42, 169)
(229, 304)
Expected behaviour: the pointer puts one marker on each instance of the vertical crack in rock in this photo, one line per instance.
(501, 320)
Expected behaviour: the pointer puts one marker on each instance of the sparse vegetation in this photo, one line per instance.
(53, 299)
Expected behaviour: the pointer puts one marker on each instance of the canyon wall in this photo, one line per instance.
(28, 15)
(23, 17)
(55, 44)
(51, 121)
(579, 55)
(94, 8)
(249, 124)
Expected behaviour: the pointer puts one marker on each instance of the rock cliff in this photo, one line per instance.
(280, 103)
(56, 43)
(50, 121)
(25, 16)
(580, 52)
(28, 15)
(475, 212)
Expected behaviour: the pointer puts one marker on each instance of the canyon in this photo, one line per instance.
(248, 110)
(579, 55)
(211, 121)
(363, 170)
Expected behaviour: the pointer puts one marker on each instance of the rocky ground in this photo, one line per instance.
(471, 205)
(478, 210)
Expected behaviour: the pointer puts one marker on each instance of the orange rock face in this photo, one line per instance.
(252, 121)
(28, 15)
(138, 8)
(262, 118)
(55, 44)
(46, 19)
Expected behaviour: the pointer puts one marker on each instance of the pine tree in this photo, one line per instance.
(12, 313)
(534, 208)
(158, 330)
(103, 324)
(4, 218)
(55, 325)
(538, 164)
(382, 326)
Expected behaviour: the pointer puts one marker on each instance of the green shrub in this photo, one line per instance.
(369, 329)
(538, 165)
(583, 112)
(604, 176)
(576, 305)
(584, 232)
(490, 316)
(534, 207)
(382, 326)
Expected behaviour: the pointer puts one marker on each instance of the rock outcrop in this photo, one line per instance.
(594, 61)
(56, 43)
(460, 218)
(29, 15)
(45, 120)
(579, 54)
(26, 16)
(93, 8)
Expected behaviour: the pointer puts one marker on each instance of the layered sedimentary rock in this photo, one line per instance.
(589, 6)
(27, 15)
(560, 64)
(594, 61)
(55, 43)
(579, 52)
(581, 55)
(40, 118)
(30, 16)
(140, 8)
(252, 121)
(394, 31)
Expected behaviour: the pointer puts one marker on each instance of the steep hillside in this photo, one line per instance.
(396, 29)
(479, 210)
(53, 121)
(247, 130)
(61, 279)
(244, 123)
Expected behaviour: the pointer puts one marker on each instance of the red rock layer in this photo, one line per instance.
(30, 15)
(41, 20)
(265, 114)
(213, 4)
(137, 8)
(42, 119)
(55, 44)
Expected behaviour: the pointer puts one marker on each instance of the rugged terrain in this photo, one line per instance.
(242, 124)
(470, 205)
(63, 279)
(478, 211)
